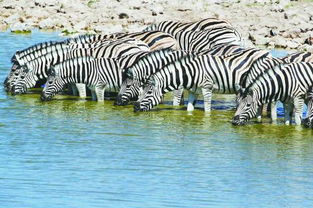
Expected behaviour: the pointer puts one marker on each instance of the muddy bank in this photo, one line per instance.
(283, 24)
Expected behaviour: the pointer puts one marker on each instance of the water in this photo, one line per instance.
(75, 153)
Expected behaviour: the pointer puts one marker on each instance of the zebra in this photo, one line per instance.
(97, 73)
(287, 83)
(197, 41)
(37, 69)
(210, 73)
(308, 121)
(137, 74)
(196, 36)
(154, 61)
(154, 39)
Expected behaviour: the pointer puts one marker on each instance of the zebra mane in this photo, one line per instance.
(14, 59)
(88, 38)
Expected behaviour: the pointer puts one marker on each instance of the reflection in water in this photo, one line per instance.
(76, 153)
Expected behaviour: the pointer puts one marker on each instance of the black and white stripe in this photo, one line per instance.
(37, 69)
(98, 74)
(287, 83)
(221, 74)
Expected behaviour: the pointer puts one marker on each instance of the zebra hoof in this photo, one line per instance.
(190, 107)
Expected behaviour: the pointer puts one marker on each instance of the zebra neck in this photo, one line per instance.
(270, 87)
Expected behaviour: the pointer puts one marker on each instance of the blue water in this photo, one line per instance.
(76, 153)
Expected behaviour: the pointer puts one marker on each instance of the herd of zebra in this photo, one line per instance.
(169, 56)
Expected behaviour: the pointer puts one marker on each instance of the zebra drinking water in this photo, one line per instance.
(210, 73)
(154, 61)
(37, 69)
(98, 74)
(287, 83)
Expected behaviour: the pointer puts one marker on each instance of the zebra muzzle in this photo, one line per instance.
(308, 123)
(119, 101)
(45, 98)
(237, 121)
(137, 107)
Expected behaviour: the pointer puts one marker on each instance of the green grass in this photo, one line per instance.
(66, 32)
(22, 31)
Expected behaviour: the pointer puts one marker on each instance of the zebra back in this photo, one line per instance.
(208, 39)
(298, 57)
(152, 62)
(173, 27)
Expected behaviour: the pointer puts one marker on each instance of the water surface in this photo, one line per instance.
(76, 153)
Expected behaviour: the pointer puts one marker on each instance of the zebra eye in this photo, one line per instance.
(16, 74)
(128, 86)
(248, 105)
(22, 77)
(50, 82)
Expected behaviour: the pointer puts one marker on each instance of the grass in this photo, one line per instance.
(22, 31)
(66, 32)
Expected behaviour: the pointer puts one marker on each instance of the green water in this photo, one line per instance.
(78, 153)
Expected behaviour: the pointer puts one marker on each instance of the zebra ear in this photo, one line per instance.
(239, 89)
(51, 71)
(25, 69)
(129, 73)
(151, 81)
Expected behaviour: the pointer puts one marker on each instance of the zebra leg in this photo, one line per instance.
(100, 93)
(207, 99)
(273, 111)
(93, 93)
(259, 113)
(298, 108)
(178, 97)
(81, 88)
(287, 112)
(192, 97)
(74, 89)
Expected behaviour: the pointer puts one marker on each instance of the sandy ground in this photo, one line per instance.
(269, 23)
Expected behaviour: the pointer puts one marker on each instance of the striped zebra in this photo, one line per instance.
(197, 41)
(221, 74)
(153, 62)
(137, 74)
(154, 39)
(98, 74)
(288, 83)
(308, 121)
(200, 35)
(37, 69)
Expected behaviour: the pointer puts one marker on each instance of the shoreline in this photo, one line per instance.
(268, 24)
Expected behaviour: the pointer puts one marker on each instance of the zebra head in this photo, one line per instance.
(246, 109)
(150, 96)
(25, 80)
(53, 85)
(10, 81)
(129, 91)
(308, 121)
